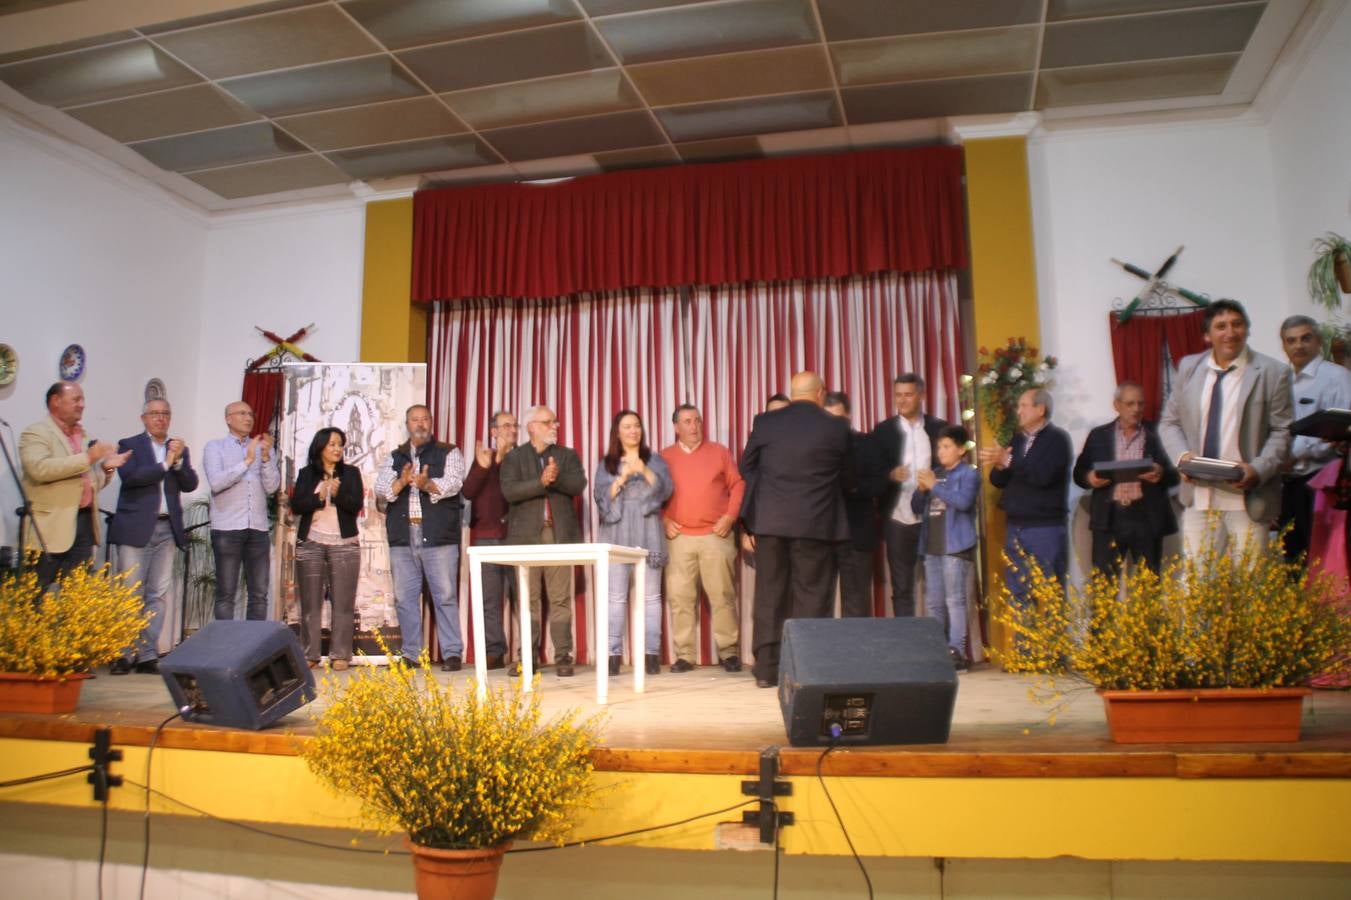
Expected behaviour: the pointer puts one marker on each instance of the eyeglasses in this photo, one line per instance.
(548, 422)
(156, 415)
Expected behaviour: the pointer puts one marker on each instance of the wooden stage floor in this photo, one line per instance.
(712, 722)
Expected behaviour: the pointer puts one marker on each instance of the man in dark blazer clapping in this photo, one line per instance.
(1130, 518)
(797, 467)
(148, 527)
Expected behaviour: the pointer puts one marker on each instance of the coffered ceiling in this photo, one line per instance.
(242, 105)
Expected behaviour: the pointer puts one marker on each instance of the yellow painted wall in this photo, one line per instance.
(392, 328)
(1003, 283)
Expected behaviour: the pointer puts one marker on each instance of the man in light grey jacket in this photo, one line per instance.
(1229, 403)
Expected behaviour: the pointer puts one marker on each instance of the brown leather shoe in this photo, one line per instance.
(450, 664)
(564, 667)
(496, 662)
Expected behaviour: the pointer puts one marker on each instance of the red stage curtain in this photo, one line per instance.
(1138, 346)
(262, 391)
(763, 220)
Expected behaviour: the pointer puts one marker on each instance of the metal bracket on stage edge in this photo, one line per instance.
(103, 755)
(767, 788)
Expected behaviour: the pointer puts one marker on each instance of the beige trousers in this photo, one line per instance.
(710, 560)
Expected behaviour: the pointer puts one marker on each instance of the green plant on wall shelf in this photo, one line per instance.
(1330, 274)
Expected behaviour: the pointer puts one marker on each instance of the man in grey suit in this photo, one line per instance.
(539, 481)
(1229, 403)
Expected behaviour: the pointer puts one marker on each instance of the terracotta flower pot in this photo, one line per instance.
(1205, 715)
(459, 874)
(24, 693)
(1342, 269)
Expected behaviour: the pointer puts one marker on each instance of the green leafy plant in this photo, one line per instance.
(1004, 374)
(1330, 274)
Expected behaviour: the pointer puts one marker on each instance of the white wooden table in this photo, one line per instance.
(528, 556)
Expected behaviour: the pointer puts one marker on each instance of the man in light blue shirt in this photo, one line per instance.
(1317, 384)
(241, 471)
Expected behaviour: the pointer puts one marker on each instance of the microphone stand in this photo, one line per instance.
(25, 511)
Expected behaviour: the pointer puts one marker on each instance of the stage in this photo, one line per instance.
(1004, 786)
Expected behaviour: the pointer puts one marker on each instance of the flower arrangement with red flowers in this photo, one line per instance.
(1004, 374)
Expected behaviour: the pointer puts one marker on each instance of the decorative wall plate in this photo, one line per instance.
(154, 390)
(9, 365)
(72, 363)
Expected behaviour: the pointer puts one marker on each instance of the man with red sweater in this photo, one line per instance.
(488, 527)
(699, 520)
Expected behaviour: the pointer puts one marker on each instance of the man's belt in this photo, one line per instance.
(415, 520)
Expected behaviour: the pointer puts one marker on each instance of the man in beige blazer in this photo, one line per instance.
(1250, 427)
(62, 474)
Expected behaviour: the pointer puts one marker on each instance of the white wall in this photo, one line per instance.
(103, 260)
(279, 271)
(1309, 124)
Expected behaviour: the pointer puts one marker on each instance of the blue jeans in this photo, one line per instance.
(153, 566)
(945, 580)
(619, 609)
(1046, 544)
(441, 567)
(252, 549)
(499, 583)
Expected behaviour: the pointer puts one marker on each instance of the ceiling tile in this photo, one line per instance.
(847, 20)
(326, 86)
(792, 143)
(792, 112)
(225, 16)
(592, 134)
(414, 157)
(179, 111)
(465, 177)
(263, 43)
(221, 147)
(1152, 80)
(787, 70)
(710, 28)
(557, 168)
(610, 7)
(103, 73)
(1060, 10)
(931, 99)
(721, 150)
(911, 133)
(66, 47)
(581, 94)
(1223, 29)
(983, 52)
(410, 23)
(642, 158)
(378, 123)
(256, 179)
(519, 56)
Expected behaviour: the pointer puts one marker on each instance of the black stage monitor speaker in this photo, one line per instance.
(239, 674)
(871, 681)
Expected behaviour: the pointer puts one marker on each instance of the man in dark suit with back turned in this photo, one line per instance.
(906, 442)
(797, 467)
(1128, 519)
(148, 527)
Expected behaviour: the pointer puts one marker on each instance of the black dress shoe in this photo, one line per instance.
(652, 664)
(615, 663)
(120, 667)
(763, 682)
(564, 667)
(410, 663)
(731, 664)
(149, 667)
(682, 665)
(450, 664)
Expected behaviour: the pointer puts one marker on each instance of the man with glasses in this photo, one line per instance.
(148, 527)
(242, 472)
(488, 528)
(539, 481)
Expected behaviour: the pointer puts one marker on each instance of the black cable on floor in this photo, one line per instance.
(624, 834)
(46, 776)
(145, 835)
(838, 818)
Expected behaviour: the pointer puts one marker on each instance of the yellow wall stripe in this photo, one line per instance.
(392, 330)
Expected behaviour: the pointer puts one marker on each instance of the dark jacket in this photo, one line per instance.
(1035, 485)
(888, 439)
(138, 500)
(1100, 446)
(526, 495)
(440, 520)
(871, 483)
(349, 499)
(798, 468)
(487, 507)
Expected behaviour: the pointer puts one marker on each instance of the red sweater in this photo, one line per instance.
(707, 487)
(488, 507)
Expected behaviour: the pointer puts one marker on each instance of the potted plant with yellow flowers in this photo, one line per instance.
(1215, 648)
(461, 774)
(51, 639)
